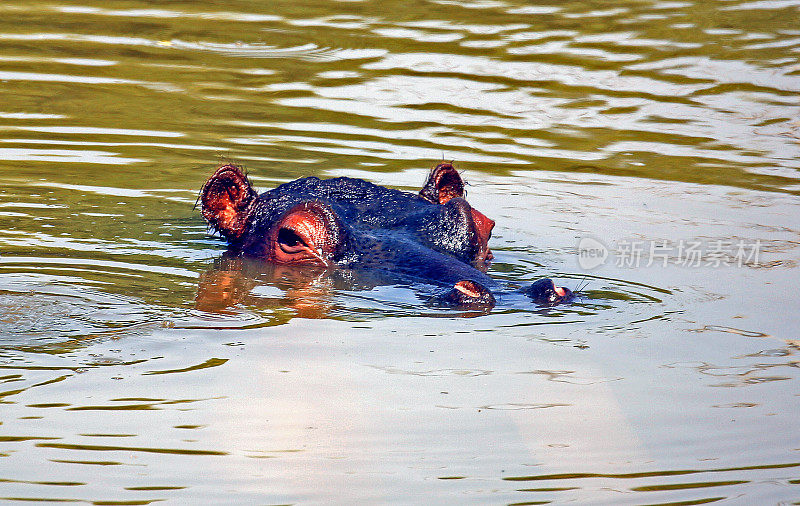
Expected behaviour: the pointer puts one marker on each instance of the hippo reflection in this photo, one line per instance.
(385, 235)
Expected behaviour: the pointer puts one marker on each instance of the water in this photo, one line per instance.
(139, 366)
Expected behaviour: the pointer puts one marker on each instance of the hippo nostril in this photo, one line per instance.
(545, 291)
(470, 288)
(468, 293)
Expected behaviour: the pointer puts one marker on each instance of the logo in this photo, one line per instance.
(591, 253)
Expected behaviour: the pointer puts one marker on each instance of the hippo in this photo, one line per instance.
(433, 237)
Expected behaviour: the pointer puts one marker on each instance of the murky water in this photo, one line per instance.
(649, 149)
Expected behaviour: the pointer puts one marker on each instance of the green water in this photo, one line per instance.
(139, 367)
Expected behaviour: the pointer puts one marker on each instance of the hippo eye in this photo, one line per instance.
(292, 242)
(289, 237)
(307, 234)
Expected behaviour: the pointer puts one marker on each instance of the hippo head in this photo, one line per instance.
(434, 236)
(346, 221)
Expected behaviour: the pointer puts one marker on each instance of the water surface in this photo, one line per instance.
(140, 366)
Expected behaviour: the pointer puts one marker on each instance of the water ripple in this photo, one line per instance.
(633, 121)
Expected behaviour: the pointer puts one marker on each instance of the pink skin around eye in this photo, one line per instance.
(310, 234)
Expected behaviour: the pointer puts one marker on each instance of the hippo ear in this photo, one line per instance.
(443, 184)
(226, 198)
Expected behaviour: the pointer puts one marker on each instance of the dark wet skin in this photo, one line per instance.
(434, 237)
